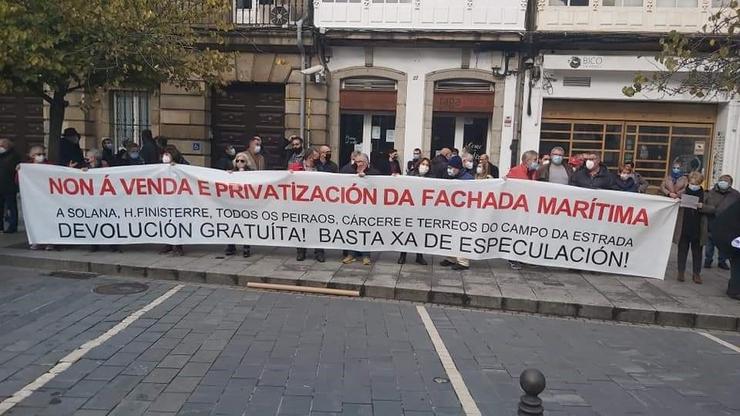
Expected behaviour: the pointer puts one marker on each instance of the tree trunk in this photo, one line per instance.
(57, 108)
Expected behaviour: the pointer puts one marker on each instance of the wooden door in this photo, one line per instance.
(244, 110)
(22, 120)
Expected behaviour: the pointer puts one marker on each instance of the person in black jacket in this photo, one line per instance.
(108, 155)
(149, 150)
(325, 163)
(592, 174)
(439, 163)
(9, 161)
(412, 165)
(391, 166)
(725, 229)
(70, 153)
(226, 161)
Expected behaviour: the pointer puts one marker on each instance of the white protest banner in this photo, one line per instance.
(533, 222)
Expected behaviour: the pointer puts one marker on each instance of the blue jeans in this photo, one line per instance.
(709, 252)
(10, 203)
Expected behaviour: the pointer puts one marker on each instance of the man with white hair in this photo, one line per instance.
(362, 169)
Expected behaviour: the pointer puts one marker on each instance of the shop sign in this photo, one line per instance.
(586, 62)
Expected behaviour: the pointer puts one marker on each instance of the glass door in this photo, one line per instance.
(351, 135)
(382, 136)
(475, 135)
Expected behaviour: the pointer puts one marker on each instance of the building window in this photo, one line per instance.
(652, 147)
(568, 2)
(129, 115)
(677, 3)
(622, 3)
(720, 3)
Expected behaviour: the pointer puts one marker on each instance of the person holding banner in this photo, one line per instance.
(675, 183)
(225, 162)
(362, 169)
(422, 170)
(172, 156)
(456, 170)
(310, 161)
(527, 169)
(691, 230)
(325, 163)
(593, 174)
(440, 162)
(239, 165)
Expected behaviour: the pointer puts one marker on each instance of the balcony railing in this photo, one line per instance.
(269, 13)
(623, 16)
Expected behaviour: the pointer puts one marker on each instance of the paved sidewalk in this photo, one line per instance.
(488, 284)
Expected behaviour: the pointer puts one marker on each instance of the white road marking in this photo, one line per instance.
(720, 341)
(75, 355)
(468, 404)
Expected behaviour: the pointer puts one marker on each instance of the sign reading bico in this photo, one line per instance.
(534, 222)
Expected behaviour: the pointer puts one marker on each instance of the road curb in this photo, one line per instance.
(403, 290)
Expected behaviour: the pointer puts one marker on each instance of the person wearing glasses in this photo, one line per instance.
(240, 165)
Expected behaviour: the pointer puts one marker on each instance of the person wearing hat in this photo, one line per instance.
(455, 170)
(70, 153)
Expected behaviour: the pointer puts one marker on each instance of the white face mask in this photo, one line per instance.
(39, 158)
(625, 176)
(423, 169)
(479, 170)
(590, 164)
(468, 164)
(231, 151)
(257, 149)
(3, 150)
(166, 159)
(694, 187)
(450, 171)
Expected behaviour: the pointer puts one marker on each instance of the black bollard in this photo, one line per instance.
(532, 382)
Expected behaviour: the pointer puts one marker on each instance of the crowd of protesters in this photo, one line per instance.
(706, 227)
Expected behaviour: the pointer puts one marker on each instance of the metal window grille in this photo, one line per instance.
(129, 115)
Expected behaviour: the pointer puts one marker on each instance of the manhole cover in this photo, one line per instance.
(121, 288)
(67, 274)
(441, 380)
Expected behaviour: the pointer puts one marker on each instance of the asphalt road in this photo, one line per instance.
(207, 350)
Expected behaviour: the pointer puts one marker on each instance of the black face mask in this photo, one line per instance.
(296, 150)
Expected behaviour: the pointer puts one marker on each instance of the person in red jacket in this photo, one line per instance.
(527, 169)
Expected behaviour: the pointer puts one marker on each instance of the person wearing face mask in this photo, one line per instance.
(642, 184)
(239, 165)
(36, 155)
(527, 169)
(625, 181)
(351, 167)
(70, 153)
(9, 161)
(469, 163)
(456, 170)
(392, 166)
(325, 163)
(225, 162)
(295, 153)
(94, 160)
(255, 160)
(592, 175)
(310, 163)
(675, 183)
(557, 171)
(171, 155)
(422, 170)
(413, 164)
(482, 172)
(108, 153)
(691, 230)
(132, 157)
(485, 160)
(362, 168)
(717, 200)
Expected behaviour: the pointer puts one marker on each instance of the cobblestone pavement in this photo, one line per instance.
(488, 284)
(215, 350)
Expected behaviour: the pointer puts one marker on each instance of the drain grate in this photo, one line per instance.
(68, 274)
(121, 289)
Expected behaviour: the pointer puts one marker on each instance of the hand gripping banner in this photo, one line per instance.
(534, 222)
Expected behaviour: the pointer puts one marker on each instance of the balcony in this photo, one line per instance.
(422, 15)
(269, 13)
(644, 16)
